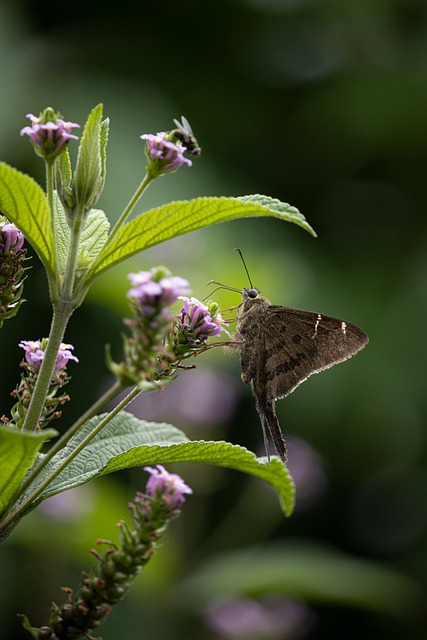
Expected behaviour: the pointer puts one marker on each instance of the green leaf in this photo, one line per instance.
(221, 454)
(88, 176)
(302, 570)
(24, 202)
(93, 237)
(18, 450)
(103, 139)
(129, 442)
(176, 218)
(63, 173)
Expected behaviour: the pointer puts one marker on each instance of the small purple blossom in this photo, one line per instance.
(200, 321)
(169, 487)
(35, 350)
(156, 288)
(167, 153)
(11, 238)
(49, 132)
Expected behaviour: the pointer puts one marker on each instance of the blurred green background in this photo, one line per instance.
(320, 103)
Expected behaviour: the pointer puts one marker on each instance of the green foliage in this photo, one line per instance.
(93, 238)
(89, 176)
(298, 570)
(64, 175)
(18, 450)
(176, 218)
(24, 202)
(128, 442)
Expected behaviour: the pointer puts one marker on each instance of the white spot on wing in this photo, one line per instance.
(319, 317)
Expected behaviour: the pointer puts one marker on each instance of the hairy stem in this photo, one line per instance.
(23, 507)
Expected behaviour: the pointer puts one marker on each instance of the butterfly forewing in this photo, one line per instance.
(300, 343)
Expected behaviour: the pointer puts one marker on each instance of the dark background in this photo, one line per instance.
(318, 103)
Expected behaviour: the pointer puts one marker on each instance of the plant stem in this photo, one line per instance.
(49, 193)
(131, 204)
(107, 397)
(59, 322)
(23, 507)
(57, 330)
(63, 307)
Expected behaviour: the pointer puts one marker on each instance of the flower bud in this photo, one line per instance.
(49, 133)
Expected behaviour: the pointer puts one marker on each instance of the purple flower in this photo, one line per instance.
(64, 355)
(11, 238)
(35, 350)
(169, 487)
(169, 156)
(156, 288)
(200, 321)
(268, 617)
(49, 132)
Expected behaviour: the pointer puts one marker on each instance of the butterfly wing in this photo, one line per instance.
(299, 343)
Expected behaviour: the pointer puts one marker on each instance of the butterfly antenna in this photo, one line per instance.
(220, 286)
(244, 264)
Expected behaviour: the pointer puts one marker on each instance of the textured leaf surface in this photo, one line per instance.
(24, 202)
(222, 454)
(17, 452)
(176, 218)
(93, 238)
(90, 164)
(128, 442)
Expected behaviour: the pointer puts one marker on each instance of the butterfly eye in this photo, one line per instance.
(253, 293)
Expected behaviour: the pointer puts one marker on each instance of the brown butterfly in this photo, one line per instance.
(280, 347)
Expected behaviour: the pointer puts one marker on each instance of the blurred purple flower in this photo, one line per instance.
(207, 399)
(199, 321)
(11, 238)
(48, 132)
(308, 471)
(169, 155)
(168, 487)
(70, 505)
(270, 617)
(156, 288)
(35, 350)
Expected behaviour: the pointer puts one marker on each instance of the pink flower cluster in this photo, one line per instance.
(49, 136)
(156, 289)
(35, 350)
(198, 322)
(170, 488)
(168, 154)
